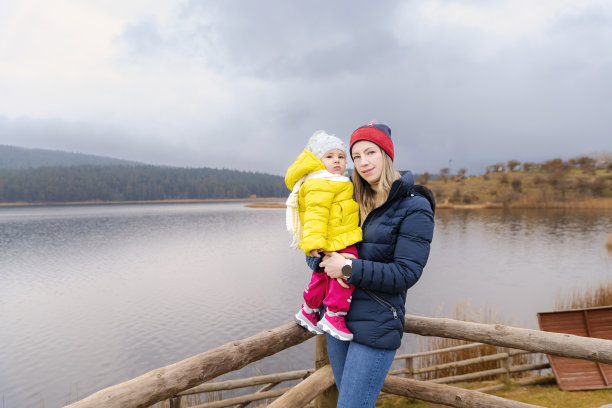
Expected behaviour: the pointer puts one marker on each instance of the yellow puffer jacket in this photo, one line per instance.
(328, 213)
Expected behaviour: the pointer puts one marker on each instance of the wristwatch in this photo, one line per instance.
(347, 269)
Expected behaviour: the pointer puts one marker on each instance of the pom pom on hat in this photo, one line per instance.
(321, 143)
(376, 133)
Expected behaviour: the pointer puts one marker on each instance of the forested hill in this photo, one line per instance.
(133, 183)
(12, 157)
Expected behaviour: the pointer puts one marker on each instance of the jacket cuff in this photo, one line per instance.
(355, 278)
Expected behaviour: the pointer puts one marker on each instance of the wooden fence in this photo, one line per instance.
(270, 381)
(170, 381)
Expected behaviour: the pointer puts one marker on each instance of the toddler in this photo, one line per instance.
(322, 216)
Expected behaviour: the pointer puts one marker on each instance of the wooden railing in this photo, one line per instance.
(270, 381)
(505, 371)
(168, 382)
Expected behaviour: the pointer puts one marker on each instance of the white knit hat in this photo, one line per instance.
(321, 143)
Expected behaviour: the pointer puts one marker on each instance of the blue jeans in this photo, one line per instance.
(359, 371)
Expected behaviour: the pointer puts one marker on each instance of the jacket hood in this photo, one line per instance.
(305, 163)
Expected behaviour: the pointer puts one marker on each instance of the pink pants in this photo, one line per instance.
(324, 290)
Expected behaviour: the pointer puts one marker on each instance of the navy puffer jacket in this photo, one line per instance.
(394, 250)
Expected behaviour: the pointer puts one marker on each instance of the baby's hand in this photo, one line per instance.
(315, 253)
(342, 283)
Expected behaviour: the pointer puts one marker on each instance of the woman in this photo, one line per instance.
(397, 219)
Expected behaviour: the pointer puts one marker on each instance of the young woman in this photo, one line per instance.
(397, 220)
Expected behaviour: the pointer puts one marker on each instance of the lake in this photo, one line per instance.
(91, 296)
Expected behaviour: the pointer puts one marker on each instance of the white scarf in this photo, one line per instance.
(294, 226)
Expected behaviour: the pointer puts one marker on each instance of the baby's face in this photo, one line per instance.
(334, 161)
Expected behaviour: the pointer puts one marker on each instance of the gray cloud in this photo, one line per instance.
(450, 88)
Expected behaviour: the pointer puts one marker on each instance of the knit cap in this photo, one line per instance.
(376, 133)
(321, 143)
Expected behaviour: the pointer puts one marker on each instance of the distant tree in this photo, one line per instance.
(423, 178)
(556, 165)
(585, 161)
(528, 166)
(587, 164)
(444, 173)
(558, 170)
(461, 173)
(512, 164)
(498, 167)
(121, 183)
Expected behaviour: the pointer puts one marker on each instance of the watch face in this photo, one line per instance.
(347, 270)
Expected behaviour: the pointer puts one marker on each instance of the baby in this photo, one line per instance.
(322, 216)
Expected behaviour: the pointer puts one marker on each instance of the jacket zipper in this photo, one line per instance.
(382, 302)
(368, 219)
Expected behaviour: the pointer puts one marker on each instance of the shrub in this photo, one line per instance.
(516, 185)
(456, 196)
(598, 186)
(503, 179)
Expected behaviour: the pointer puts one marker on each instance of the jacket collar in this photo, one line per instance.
(401, 186)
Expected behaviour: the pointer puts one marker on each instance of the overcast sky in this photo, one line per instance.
(243, 84)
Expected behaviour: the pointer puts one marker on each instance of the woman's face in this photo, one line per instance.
(368, 160)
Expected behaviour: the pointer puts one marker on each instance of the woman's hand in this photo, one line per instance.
(333, 263)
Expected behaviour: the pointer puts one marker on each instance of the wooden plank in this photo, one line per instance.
(329, 397)
(574, 374)
(500, 335)
(468, 377)
(259, 391)
(462, 363)
(446, 394)
(602, 372)
(438, 351)
(247, 382)
(307, 390)
(230, 402)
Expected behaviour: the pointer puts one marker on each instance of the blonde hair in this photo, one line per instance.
(369, 198)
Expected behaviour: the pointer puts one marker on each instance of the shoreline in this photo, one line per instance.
(279, 202)
(588, 204)
(176, 201)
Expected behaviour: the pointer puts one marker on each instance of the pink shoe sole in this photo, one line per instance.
(328, 327)
(305, 323)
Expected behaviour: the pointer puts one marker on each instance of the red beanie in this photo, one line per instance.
(376, 133)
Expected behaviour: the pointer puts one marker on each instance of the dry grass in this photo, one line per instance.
(464, 312)
(522, 189)
(589, 296)
(266, 205)
(546, 396)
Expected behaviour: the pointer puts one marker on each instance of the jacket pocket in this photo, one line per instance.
(382, 302)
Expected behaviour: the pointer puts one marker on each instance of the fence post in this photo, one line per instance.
(505, 364)
(175, 402)
(409, 365)
(329, 398)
